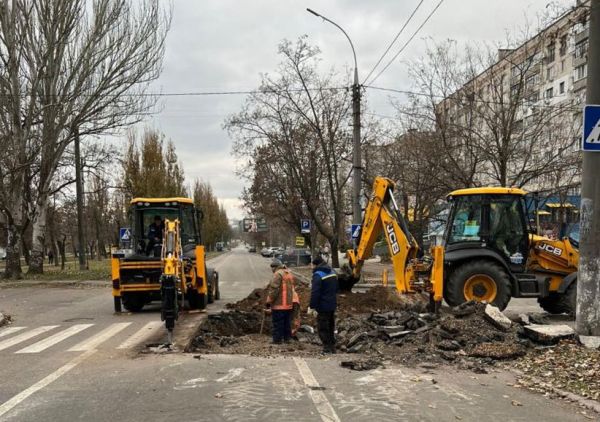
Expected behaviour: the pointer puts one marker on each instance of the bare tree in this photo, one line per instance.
(83, 69)
(293, 135)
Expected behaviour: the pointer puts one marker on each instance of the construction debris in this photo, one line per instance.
(549, 334)
(4, 319)
(496, 317)
(591, 342)
(361, 365)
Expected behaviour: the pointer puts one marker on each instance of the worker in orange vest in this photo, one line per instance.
(280, 301)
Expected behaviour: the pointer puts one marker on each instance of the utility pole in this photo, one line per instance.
(79, 194)
(588, 282)
(356, 160)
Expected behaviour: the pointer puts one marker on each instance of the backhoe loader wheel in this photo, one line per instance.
(560, 303)
(196, 300)
(134, 302)
(211, 290)
(482, 281)
(117, 303)
(217, 290)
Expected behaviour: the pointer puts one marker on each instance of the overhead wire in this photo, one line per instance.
(407, 42)
(394, 40)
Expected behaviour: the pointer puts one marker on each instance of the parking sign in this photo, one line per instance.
(305, 226)
(591, 128)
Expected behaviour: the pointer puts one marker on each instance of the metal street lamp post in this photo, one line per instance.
(356, 160)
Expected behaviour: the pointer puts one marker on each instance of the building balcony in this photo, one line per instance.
(580, 36)
(577, 61)
(579, 84)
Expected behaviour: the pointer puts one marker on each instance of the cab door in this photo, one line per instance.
(508, 233)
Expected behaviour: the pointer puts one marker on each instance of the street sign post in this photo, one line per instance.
(125, 237)
(355, 231)
(300, 241)
(591, 128)
(305, 226)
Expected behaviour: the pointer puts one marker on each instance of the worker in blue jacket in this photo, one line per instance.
(323, 300)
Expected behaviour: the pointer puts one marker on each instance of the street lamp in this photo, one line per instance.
(356, 161)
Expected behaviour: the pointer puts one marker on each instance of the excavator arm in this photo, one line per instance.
(383, 215)
(172, 275)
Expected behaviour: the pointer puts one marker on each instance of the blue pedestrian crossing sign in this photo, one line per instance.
(125, 234)
(305, 226)
(591, 128)
(355, 231)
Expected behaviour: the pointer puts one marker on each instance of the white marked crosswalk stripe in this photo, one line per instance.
(25, 336)
(54, 339)
(10, 330)
(145, 332)
(100, 338)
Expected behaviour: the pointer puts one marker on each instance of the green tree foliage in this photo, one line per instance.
(215, 225)
(150, 168)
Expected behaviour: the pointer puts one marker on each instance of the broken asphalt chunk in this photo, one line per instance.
(548, 334)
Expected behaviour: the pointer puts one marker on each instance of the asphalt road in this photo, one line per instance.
(68, 357)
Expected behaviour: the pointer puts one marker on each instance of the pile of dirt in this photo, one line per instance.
(377, 324)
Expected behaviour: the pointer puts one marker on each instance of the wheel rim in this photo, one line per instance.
(480, 287)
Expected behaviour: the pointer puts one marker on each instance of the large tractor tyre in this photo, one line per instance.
(134, 302)
(196, 300)
(212, 285)
(483, 281)
(217, 290)
(560, 303)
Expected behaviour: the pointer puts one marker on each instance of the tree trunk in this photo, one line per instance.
(335, 259)
(61, 249)
(13, 251)
(38, 244)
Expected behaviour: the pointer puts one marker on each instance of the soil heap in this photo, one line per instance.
(377, 323)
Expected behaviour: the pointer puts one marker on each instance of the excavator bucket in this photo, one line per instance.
(345, 279)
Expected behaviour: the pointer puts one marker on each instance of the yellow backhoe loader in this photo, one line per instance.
(167, 264)
(489, 251)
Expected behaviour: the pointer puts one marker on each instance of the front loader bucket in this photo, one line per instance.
(345, 279)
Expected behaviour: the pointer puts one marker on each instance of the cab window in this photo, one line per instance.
(466, 223)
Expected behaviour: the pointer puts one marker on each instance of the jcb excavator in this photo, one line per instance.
(171, 268)
(489, 252)
(412, 273)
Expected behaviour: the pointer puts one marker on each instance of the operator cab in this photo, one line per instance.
(144, 213)
(490, 218)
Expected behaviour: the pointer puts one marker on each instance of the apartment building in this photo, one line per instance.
(526, 107)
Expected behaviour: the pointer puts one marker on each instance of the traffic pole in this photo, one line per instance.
(79, 199)
(588, 282)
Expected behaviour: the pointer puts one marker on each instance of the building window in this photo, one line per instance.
(534, 97)
(550, 53)
(562, 66)
(532, 81)
(563, 47)
(550, 73)
(561, 88)
(580, 72)
(581, 49)
(549, 93)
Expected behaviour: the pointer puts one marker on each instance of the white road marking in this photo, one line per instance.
(99, 338)
(10, 330)
(144, 333)
(10, 404)
(25, 336)
(231, 374)
(54, 339)
(318, 397)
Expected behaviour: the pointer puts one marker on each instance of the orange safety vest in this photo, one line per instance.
(281, 291)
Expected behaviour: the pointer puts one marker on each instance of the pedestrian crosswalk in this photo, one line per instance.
(76, 338)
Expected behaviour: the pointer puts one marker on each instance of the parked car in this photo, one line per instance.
(266, 252)
(295, 257)
(252, 249)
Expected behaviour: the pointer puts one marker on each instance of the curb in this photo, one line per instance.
(582, 401)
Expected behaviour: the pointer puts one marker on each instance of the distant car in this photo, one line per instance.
(252, 249)
(295, 257)
(266, 252)
(219, 246)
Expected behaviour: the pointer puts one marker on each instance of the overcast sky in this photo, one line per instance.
(224, 45)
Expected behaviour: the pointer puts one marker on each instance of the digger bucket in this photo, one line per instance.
(345, 280)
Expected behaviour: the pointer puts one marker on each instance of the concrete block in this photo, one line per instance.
(497, 318)
(591, 342)
(548, 334)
